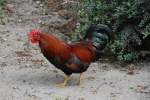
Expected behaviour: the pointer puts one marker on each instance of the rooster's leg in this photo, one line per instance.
(65, 82)
(80, 79)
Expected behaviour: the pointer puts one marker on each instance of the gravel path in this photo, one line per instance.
(26, 75)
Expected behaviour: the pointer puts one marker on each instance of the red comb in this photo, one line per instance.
(32, 33)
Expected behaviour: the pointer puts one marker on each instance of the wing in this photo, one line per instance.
(84, 51)
(82, 55)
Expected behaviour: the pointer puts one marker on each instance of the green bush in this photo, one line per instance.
(129, 20)
(2, 2)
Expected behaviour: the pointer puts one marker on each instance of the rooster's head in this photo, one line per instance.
(34, 36)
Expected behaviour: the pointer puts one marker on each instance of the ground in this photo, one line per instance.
(26, 75)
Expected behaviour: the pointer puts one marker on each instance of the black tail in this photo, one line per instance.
(100, 35)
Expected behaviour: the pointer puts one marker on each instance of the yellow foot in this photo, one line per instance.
(61, 85)
(64, 84)
(80, 79)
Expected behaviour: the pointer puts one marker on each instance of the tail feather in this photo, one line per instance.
(100, 35)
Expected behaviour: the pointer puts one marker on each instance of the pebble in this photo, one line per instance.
(38, 2)
(5, 39)
(19, 20)
(9, 7)
(41, 5)
(39, 21)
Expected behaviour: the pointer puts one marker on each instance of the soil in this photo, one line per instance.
(26, 75)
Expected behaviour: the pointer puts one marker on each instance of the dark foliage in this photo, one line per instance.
(129, 20)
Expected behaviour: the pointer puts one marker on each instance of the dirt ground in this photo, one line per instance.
(26, 75)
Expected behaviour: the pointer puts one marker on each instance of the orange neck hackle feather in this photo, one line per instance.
(34, 36)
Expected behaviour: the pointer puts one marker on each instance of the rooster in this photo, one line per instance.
(72, 57)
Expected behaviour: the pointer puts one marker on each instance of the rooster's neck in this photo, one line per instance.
(50, 43)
